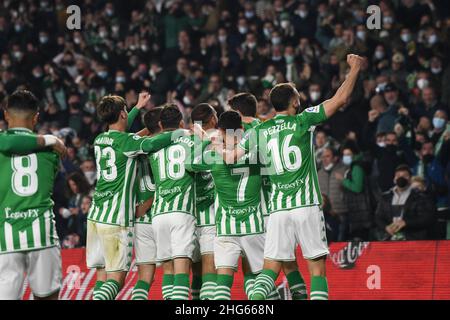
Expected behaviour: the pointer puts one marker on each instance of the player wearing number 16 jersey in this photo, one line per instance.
(111, 216)
(28, 241)
(296, 216)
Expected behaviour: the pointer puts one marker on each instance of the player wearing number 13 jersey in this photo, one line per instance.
(28, 241)
(111, 216)
(296, 218)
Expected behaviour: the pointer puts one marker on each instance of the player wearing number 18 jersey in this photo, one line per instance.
(28, 241)
(296, 216)
(111, 216)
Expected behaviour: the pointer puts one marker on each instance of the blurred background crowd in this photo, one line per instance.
(383, 160)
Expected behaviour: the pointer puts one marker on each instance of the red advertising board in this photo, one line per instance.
(368, 270)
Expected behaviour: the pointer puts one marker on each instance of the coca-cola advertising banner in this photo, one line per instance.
(364, 270)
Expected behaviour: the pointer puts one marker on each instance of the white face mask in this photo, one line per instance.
(361, 35)
(186, 100)
(347, 160)
(120, 79)
(222, 39)
(438, 123)
(436, 70)
(381, 144)
(276, 40)
(315, 95)
(242, 30)
(432, 39)
(91, 176)
(379, 54)
(328, 167)
(406, 37)
(240, 81)
(284, 24)
(251, 45)
(422, 83)
(302, 13)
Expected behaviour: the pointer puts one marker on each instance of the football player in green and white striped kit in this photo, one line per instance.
(246, 105)
(203, 269)
(296, 216)
(112, 213)
(144, 240)
(28, 240)
(173, 209)
(239, 221)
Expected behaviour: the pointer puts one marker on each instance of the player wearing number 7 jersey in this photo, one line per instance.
(28, 241)
(111, 216)
(296, 215)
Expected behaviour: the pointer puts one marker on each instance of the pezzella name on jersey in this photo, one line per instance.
(347, 256)
(30, 213)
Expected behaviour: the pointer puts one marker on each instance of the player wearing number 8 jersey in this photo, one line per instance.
(111, 216)
(285, 142)
(28, 241)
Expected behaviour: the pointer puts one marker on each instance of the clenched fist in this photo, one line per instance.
(354, 61)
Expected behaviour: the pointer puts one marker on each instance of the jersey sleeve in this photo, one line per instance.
(312, 116)
(136, 145)
(131, 116)
(202, 162)
(15, 143)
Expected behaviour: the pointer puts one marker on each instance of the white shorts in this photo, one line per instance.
(175, 235)
(228, 249)
(301, 226)
(42, 266)
(109, 246)
(206, 236)
(144, 244)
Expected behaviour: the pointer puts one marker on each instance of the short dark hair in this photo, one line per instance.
(281, 95)
(151, 119)
(202, 112)
(245, 103)
(403, 167)
(230, 120)
(110, 107)
(170, 116)
(22, 101)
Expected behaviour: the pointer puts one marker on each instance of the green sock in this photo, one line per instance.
(180, 287)
(167, 286)
(97, 286)
(297, 286)
(274, 294)
(195, 287)
(249, 282)
(223, 287)
(319, 288)
(208, 286)
(264, 284)
(108, 291)
(140, 290)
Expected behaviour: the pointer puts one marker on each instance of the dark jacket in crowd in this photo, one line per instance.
(418, 214)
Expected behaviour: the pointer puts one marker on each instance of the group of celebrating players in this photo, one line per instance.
(193, 199)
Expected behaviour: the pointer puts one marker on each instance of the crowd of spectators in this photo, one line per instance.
(383, 159)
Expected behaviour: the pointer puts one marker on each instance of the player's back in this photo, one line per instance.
(26, 207)
(285, 144)
(114, 196)
(238, 188)
(175, 189)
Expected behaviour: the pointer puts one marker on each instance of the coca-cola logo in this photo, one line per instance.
(347, 256)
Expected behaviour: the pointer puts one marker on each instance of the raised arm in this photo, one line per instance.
(344, 92)
(144, 98)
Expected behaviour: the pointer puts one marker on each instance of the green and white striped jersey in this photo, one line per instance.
(26, 208)
(286, 144)
(250, 125)
(173, 176)
(146, 187)
(266, 187)
(204, 199)
(238, 191)
(116, 154)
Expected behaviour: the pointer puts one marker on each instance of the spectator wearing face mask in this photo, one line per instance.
(428, 105)
(440, 120)
(356, 194)
(88, 169)
(404, 213)
(330, 184)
